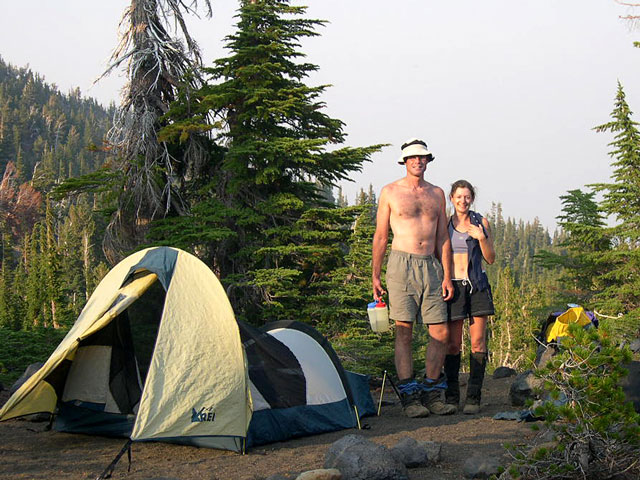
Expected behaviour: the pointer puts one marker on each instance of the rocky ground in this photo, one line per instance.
(29, 451)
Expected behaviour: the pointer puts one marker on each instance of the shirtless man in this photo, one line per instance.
(418, 276)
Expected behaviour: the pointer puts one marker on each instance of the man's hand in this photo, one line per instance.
(378, 291)
(447, 290)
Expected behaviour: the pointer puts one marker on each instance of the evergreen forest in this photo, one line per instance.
(238, 163)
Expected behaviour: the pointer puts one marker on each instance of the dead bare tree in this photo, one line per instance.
(631, 17)
(160, 55)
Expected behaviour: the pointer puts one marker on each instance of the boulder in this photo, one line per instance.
(631, 384)
(434, 451)
(503, 372)
(414, 454)
(523, 388)
(30, 370)
(544, 354)
(360, 459)
(635, 345)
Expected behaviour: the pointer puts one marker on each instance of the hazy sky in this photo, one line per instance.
(505, 92)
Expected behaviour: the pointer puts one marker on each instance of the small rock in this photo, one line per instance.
(480, 466)
(410, 453)
(504, 372)
(321, 474)
(635, 346)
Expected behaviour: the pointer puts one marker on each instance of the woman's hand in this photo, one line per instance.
(476, 232)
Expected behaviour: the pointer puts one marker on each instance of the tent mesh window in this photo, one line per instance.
(144, 317)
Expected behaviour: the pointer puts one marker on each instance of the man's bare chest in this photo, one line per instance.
(409, 207)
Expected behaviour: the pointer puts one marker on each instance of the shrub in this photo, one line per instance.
(597, 431)
(20, 349)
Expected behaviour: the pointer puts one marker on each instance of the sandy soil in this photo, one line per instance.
(28, 451)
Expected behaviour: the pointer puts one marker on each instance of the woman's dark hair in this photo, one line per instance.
(463, 184)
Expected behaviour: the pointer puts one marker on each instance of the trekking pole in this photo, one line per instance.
(395, 389)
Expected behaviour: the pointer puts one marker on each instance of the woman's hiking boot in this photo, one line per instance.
(432, 396)
(478, 363)
(410, 392)
(452, 371)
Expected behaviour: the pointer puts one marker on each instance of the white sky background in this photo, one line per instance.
(505, 92)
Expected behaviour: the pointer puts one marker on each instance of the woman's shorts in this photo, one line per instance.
(415, 288)
(467, 303)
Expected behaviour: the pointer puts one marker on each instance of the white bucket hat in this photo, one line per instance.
(414, 147)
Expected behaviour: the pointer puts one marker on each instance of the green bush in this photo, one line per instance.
(596, 431)
(19, 349)
(363, 351)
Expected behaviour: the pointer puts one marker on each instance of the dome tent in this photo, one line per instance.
(157, 355)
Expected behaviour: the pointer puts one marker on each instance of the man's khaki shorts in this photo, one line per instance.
(414, 283)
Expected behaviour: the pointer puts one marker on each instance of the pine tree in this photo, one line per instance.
(342, 199)
(269, 165)
(6, 301)
(53, 307)
(34, 294)
(621, 199)
(584, 240)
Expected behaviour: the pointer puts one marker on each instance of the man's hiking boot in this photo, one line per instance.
(410, 391)
(478, 364)
(431, 396)
(452, 371)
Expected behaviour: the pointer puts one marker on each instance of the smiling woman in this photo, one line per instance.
(471, 242)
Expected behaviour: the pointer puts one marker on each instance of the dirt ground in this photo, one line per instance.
(28, 451)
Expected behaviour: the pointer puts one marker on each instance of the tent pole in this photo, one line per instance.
(355, 407)
(384, 379)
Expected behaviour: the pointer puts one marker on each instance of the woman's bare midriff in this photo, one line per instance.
(460, 264)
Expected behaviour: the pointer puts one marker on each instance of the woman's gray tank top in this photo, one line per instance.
(458, 239)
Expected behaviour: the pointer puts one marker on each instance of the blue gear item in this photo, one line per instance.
(439, 384)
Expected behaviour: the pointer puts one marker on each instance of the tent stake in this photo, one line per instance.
(357, 417)
(109, 470)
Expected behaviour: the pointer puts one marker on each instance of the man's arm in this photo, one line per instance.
(443, 249)
(380, 239)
